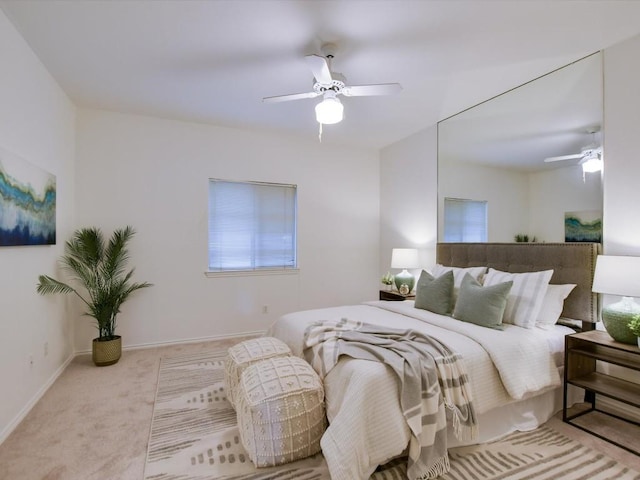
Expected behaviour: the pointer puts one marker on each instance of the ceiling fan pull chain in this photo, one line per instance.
(320, 134)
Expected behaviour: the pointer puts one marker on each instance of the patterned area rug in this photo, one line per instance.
(194, 437)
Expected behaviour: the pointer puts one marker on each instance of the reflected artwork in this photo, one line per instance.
(583, 226)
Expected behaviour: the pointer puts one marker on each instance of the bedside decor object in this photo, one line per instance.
(618, 275)
(100, 269)
(394, 296)
(634, 326)
(387, 279)
(404, 258)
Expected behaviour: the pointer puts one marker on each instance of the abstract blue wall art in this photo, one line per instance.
(583, 226)
(27, 203)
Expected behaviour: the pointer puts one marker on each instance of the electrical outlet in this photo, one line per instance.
(46, 348)
(265, 309)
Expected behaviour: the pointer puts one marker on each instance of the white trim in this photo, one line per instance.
(140, 346)
(250, 273)
(617, 408)
(32, 402)
(40, 393)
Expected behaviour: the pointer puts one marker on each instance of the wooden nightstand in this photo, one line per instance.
(395, 296)
(582, 350)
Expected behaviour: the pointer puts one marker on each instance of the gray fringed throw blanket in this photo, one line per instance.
(431, 377)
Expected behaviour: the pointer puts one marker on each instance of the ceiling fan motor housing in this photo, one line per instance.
(336, 85)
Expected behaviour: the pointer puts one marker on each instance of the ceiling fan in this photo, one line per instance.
(590, 156)
(330, 85)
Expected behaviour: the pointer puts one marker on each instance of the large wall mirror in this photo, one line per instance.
(491, 158)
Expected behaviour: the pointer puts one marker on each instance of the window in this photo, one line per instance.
(465, 220)
(252, 226)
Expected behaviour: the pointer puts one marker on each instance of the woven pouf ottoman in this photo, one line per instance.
(246, 353)
(280, 411)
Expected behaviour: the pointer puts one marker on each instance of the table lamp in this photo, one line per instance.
(404, 258)
(618, 275)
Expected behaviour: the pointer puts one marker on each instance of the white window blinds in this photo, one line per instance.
(252, 226)
(465, 220)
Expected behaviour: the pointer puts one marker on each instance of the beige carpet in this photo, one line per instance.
(194, 437)
(93, 423)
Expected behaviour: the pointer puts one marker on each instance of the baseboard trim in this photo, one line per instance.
(138, 346)
(39, 394)
(618, 408)
(43, 389)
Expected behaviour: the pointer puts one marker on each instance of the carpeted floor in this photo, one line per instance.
(94, 423)
(194, 436)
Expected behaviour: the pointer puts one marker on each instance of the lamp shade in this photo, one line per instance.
(617, 275)
(592, 165)
(330, 109)
(404, 258)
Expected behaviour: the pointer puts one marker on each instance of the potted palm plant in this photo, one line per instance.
(100, 269)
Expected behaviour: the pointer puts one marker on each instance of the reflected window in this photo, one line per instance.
(465, 220)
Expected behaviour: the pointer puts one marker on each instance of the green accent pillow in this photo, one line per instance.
(435, 294)
(483, 306)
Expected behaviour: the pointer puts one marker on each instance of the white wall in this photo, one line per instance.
(554, 192)
(36, 124)
(505, 191)
(153, 174)
(408, 198)
(519, 202)
(621, 224)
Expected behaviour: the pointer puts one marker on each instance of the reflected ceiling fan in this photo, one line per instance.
(590, 156)
(330, 85)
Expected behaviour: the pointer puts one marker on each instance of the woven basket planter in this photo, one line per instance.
(107, 352)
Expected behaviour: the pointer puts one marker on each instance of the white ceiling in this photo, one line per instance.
(549, 116)
(213, 61)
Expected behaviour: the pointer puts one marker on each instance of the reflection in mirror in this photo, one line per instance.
(495, 153)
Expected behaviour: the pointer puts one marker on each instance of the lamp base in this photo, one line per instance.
(616, 320)
(404, 278)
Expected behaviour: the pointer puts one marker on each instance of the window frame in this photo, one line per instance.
(485, 204)
(256, 271)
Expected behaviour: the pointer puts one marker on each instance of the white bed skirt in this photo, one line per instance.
(521, 416)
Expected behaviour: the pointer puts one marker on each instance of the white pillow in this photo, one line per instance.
(552, 304)
(458, 275)
(526, 296)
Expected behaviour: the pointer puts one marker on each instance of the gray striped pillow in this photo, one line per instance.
(526, 296)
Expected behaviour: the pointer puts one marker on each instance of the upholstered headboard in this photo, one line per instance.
(571, 263)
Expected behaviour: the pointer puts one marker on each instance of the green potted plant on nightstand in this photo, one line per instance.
(100, 269)
(634, 326)
(387, 279)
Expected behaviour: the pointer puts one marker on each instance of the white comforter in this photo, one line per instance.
(366, 423)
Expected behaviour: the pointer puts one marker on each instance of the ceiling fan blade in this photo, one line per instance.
(563, 157)
(293, 96)
(320, 69)
(371, 90)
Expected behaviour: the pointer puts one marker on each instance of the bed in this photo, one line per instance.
(515, 373)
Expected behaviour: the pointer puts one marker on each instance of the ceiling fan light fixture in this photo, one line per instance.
(592, 165)
(330, 110)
